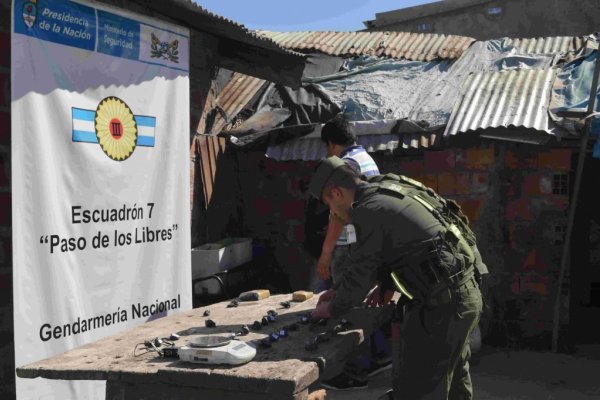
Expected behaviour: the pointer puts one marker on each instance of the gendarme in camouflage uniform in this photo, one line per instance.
(402, 231)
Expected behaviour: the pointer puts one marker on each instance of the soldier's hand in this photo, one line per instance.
(327, 296)
(323, 267)
(321, 311)
(376, 298)
(387, 297)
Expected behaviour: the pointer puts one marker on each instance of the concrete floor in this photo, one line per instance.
(516, 375)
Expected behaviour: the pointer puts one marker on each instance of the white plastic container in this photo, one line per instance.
(212, 258)
(241, 251)
(209, 259)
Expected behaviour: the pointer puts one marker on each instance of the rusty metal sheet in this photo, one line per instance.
(234, 97)
(412, 46)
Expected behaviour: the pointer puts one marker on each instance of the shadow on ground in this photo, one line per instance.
(515, 374)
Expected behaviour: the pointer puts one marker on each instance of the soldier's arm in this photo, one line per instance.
(482, 269)
(334, 230)
(361, 273)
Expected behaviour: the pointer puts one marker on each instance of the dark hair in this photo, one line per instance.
(338, 131)
(346, 176)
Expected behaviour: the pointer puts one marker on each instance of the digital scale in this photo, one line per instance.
(217, 350)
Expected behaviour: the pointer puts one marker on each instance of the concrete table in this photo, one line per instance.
(284, 371)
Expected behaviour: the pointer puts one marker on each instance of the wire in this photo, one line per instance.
(147, 350)
(153, 345)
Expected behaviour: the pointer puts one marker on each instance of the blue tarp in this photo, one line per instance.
(371, 88)
(572, 92)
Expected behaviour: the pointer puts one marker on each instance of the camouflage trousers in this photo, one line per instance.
(431, 348)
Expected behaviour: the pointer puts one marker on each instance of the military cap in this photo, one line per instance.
(323, 172)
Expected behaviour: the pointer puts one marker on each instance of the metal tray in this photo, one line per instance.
(210, 341)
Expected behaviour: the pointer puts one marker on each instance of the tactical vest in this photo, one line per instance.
(423, 278)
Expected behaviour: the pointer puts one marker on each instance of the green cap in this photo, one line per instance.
(323, 172)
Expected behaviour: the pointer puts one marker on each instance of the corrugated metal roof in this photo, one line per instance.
(312, 148)
(242, 88)
(547, 45)
(234, 97)
(500, 99)
(298, 149)
(412, 46)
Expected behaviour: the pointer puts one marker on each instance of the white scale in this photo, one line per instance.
(216, 350)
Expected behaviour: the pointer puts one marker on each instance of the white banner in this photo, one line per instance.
(100, 175)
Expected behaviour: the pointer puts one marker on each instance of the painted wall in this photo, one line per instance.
(274, 212)
(518, 18)
(510, 193)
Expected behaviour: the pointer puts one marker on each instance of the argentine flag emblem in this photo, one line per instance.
(114, 127)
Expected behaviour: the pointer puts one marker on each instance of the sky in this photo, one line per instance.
(304, 15)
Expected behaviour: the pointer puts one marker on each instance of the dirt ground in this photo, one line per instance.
(515, 375)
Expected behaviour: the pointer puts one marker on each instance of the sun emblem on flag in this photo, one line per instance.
(116, 128)
(30, 13)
